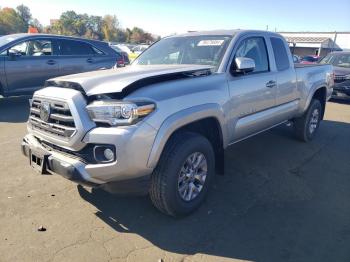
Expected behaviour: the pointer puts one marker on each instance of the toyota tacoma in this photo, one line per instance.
(161, 125)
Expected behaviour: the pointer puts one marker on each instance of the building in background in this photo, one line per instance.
(317, 43)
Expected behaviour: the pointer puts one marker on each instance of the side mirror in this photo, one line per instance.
(244, 65)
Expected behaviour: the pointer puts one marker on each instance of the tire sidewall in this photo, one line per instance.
(315, 105)
(196, 144)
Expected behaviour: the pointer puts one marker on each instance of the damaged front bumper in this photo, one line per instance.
(51, 162)
(45, 162)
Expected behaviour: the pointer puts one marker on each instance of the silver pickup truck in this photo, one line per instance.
(161, 125)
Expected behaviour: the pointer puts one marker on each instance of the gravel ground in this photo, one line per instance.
(280, 200)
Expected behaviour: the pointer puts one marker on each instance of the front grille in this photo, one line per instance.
(59, 122)
(339, 78)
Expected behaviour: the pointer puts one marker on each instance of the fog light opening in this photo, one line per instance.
(104, 153)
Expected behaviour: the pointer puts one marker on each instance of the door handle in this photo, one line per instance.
(271, 84)
(51, 62)
(90, 60)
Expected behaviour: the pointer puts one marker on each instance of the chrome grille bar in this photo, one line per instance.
(60, 121)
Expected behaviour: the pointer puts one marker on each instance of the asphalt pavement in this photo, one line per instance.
(279, 200)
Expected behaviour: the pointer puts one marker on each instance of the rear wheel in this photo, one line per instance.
(307, 125)
(182, 177)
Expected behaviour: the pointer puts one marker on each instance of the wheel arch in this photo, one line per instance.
(199, 119)
(321, 95)
(318, 92)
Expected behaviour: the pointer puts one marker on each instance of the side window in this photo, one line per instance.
(255, 48)
(71, 47)
(97, 51)
(33, 48)
(280, 52)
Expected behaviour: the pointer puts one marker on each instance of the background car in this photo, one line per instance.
(341, 68)
(27, 60)
(309, 59)
(139, 49)
(124, 48)
(123, 59)
(136, 51)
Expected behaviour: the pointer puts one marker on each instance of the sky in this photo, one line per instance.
(178, 16)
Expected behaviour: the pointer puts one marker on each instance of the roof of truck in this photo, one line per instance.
(231, 32)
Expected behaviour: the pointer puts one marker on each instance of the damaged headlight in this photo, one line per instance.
(116, 113)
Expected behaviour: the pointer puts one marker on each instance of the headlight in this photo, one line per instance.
(116, 113)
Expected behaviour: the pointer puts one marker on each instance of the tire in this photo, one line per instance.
(165, 186)
(313, 116)
(2, 93)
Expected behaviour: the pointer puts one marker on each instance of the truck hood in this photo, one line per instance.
(339, 71)
(127, 79)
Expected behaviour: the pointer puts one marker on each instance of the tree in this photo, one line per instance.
(35, 23)
(24, 12)
(139, 36)
(128, 35)
(121, 36)
(70, 23)
(94, 27)
(11, 22)
(110, 27)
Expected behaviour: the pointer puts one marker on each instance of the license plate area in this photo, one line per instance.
(38, 161)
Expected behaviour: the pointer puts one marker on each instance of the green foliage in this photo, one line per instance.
(11, 22)
(70, 23)
(25, 14)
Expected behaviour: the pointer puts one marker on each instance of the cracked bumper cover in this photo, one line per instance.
(71, 169)
(77, 171)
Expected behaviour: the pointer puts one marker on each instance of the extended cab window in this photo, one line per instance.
(255, 48)
(280, 52)
(33, 48)
(71, 47)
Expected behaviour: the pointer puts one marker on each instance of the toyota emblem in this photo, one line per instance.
(45, 111)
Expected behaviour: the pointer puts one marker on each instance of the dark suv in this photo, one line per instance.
(341, 67)
(27, 60)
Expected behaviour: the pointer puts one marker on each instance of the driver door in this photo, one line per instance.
(253, 94)
(29, 64)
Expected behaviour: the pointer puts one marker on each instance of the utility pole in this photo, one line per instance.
(334, 40)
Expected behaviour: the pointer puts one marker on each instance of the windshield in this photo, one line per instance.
(6, 39)
(341, 60)
(198, 50)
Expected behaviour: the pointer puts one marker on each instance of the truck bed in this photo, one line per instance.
(298, 65)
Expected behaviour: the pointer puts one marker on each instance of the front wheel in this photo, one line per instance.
(307, 125)
(182, 177)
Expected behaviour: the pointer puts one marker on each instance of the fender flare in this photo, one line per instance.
(182, 118)
(311, 94)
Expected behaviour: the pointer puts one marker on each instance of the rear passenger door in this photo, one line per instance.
(286, 91)
(77, 57)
